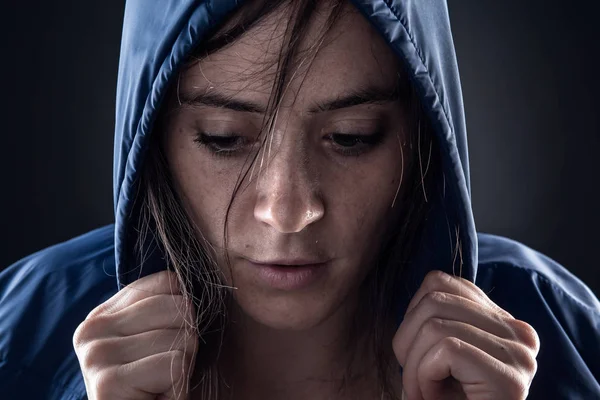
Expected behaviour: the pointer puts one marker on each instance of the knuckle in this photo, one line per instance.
(399, 349)
(435, 299)
(436, 279)
(103, 383)
(99, 310)
(92, 355)
(90, 328)
(99, 351)
(96, 311)
(86, 363)
(168, 280)
(451, 345)
(79, 336)
(119, 378)
(108, 307)
(516, 388)
(526, 334)
(524, 358)
(514, 383)
(432, 327)
(531, 373)
(532, 369)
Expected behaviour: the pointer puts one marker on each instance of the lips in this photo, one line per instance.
(290, 262)
(289, 275)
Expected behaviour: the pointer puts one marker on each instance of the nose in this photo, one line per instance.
(287, 196)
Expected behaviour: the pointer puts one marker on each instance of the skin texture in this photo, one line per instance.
(298, 204)
(308, 199)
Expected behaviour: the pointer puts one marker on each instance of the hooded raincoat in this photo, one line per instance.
(45, 296)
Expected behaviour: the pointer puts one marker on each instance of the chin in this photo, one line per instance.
(293, 312)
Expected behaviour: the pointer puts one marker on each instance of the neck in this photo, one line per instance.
(263, 362)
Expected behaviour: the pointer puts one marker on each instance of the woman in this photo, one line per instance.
(293, 221)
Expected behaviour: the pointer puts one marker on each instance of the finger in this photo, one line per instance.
(438, 281)
(159, 374)
(450, 307)
(163, 311)
(479, 374)
(157, 312)
(164, 282)
(435, 330)
(123, 350)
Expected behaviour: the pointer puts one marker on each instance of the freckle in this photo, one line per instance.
(247, 246)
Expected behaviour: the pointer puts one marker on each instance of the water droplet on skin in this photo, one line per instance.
(309, 215)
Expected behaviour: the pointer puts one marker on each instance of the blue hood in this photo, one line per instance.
(157, 38)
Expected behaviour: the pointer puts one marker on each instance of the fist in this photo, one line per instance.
(456, 343)
(139, 344)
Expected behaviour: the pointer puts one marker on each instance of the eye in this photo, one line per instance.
(347, 140)
(222, 144)
(354, 144)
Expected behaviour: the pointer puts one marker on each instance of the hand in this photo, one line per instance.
(137, 345)
(455, 343)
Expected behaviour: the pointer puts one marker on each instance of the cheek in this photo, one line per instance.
(361, 200)
(203, 185)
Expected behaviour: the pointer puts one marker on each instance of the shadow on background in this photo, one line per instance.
(529, 73)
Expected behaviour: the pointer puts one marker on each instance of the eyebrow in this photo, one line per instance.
(366, 95)
(218, 100)
(355, 97)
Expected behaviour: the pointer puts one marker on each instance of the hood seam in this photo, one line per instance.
(421, 58)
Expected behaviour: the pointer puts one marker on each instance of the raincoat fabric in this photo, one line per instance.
(45, 296)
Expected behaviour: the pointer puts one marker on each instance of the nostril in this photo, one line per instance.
(288, 216)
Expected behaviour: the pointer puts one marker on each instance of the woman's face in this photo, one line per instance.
(321, 188)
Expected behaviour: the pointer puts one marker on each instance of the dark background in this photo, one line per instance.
(530, 79)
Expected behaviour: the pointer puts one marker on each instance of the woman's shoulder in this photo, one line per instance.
(43, 298)
(64, 258)
(500, 257)
(562, 309)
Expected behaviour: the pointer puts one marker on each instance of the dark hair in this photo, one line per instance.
(163, 214)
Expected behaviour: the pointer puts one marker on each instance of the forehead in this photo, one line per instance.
(352, 54)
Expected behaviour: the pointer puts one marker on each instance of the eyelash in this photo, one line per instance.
(361, 143)
(365, 142)
(211, 142)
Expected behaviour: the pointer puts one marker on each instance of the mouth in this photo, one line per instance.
(289, 275)
(290, 262)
